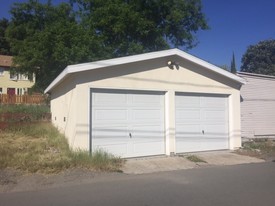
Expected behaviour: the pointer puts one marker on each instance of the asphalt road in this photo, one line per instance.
(250, 184)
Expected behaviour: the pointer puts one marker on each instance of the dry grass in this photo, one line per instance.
(41, 148)
(264, 149)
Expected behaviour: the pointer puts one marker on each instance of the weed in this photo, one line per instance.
(194, 158)
(32, 112)
(99, 160)
(265, 146)
(264, 149)
(41, 148)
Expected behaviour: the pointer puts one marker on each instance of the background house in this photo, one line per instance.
(257, 105)
(12, 83)
(149, 104)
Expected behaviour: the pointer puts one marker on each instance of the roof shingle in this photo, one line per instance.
(5, 61)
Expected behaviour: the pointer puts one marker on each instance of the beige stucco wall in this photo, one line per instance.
(6, 82)
(64, 109)
(74, 102)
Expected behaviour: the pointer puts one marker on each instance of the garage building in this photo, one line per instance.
(157, 103)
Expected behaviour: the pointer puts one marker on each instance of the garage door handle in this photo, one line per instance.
(202, 131)
(130, 135)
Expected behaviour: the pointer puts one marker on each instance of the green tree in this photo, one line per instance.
(4, 45)
(137, 26)
(45, 38)
(233, 65)
(260, 58)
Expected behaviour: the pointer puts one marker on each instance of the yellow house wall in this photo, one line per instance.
(6, 82)
(149, 75)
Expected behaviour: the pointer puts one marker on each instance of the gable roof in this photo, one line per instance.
(137, 58)
(5, 61)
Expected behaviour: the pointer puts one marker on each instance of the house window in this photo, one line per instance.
(18, 77)
(2, 71)
(23, 77)
(13, 76)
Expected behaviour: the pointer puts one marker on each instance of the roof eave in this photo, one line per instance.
(57, 80)
(140, 57)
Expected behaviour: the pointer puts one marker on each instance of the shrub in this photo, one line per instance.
(24, 113)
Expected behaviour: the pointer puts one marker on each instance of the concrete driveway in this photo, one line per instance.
(165, 163)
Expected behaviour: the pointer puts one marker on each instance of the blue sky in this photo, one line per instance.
(234, 25)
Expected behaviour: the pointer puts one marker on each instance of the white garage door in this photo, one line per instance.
(127, 123)
(201, 122)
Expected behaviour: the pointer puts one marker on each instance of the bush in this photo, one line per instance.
(15, 113)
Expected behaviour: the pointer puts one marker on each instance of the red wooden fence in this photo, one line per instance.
(22, 99)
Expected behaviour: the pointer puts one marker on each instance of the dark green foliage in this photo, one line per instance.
(260, 58)
(4, 45)
(45, 38)
(233, 65)
(135, 26)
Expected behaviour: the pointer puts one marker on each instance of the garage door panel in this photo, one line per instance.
(110, 133)
(110, 99)
(147, 100)
(189, 144)
(215, 129)
(187, 130)
(187, 102)
(147, 148)
(214, 115)
(213, 102)
(147, 133)
(133, 122)
(209, 130)
(147, 114)
(110, 115)
(192, 114)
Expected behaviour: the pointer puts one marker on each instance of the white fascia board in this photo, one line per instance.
(210, 66)
(58, 79)
(255, 75)
(136, 58)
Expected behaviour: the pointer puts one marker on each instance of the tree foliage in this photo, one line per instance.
(233, 65)
(4, 44)
(45, 38)
(137, 26)
(260, 58)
